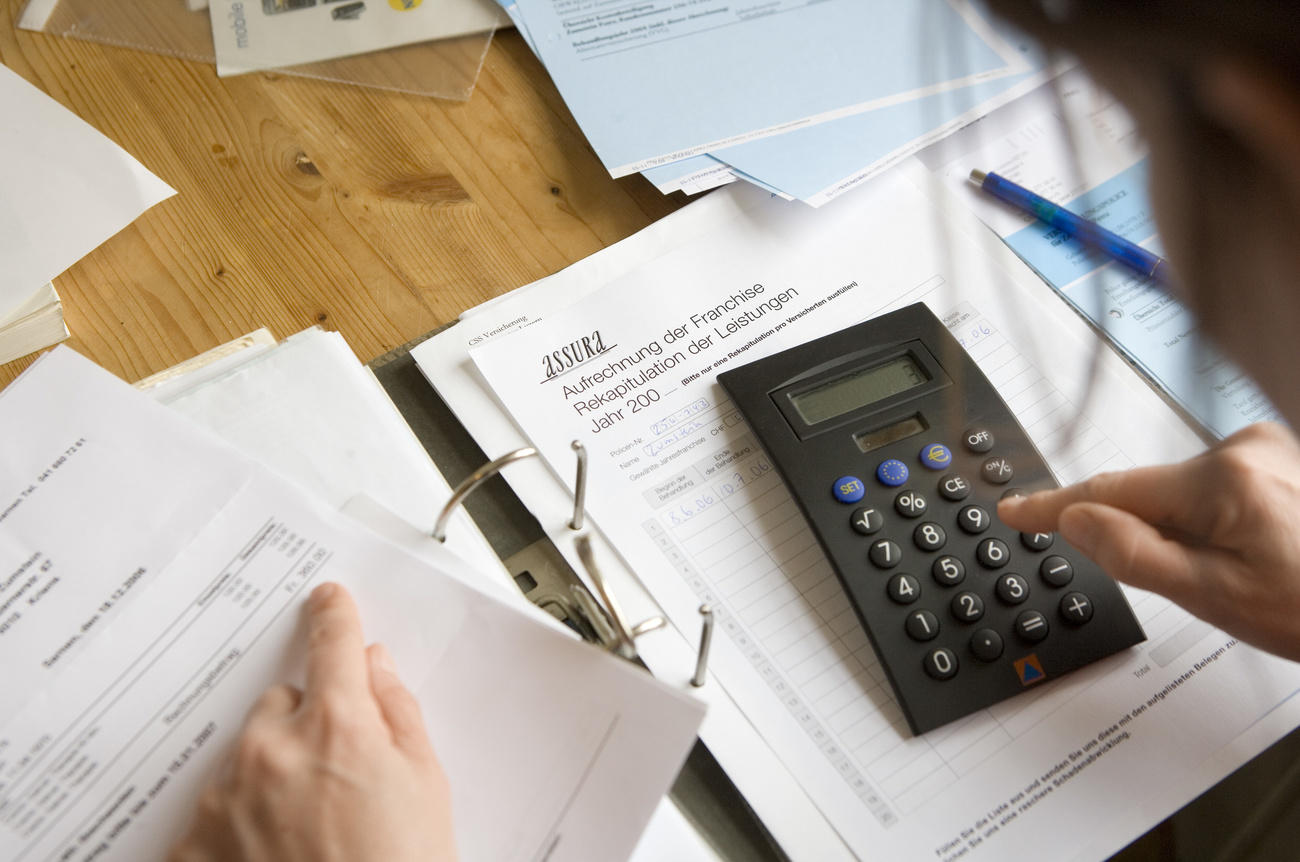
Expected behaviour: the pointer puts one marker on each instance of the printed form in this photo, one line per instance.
(1073, 144)
(654, 81)
(695, 508)
(151, 581)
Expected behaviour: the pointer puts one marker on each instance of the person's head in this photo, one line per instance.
(1214, 86)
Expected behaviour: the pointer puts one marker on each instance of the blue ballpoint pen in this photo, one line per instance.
(1090, 234)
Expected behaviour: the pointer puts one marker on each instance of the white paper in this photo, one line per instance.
(67, 189)
(152, 589)
(1187, 706)
(275, 34)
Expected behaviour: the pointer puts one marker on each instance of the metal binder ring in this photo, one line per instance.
(491, 468)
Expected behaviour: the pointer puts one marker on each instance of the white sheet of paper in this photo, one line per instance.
(154, 579)
(1000, 784)
(310, 410)
(67, 188)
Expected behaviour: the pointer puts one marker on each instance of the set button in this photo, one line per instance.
(848, 489)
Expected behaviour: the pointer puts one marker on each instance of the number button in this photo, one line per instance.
(1036, 541)
(892, 472)
(922, 626)
(978, 439)
(1012, 589)
(948, 570)
(941, 663)
(929, 536)
(986, 645)
(936, 456)
(867, 521)
(1056, 570)
(954, 487)
(885, 554)
(910, 504)
(903, 589)
(1076, 608)
(993, 553)
(1032, 626)
(849, 489)
(997, 470)
(967, 607)
(973, 520)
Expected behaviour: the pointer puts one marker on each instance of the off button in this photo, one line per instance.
(978, 439)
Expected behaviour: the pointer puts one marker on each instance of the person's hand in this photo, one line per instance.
(1218, 534)
(342, 770)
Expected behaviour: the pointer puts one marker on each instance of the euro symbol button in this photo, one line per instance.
(936, 456)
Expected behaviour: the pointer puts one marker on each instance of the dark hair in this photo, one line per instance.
(1172, 32)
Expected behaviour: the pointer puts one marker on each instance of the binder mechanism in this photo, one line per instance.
(536, 565)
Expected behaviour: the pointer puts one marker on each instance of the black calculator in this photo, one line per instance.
(897, 449)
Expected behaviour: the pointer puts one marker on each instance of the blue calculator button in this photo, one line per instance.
(892, 472)
(849, 489)
(936, 456)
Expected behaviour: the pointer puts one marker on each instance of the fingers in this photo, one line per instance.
(277, 701)
(398, 706)
(1166, 495)
(336, 660)
(1131, 550)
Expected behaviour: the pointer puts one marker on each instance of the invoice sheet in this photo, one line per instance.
(152, 588)
(1074, 144)
(67, 188)
(694, 507)
(653, 82)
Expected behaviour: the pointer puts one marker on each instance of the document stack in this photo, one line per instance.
(805, 100)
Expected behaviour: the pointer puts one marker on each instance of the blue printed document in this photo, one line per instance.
(658, 81)
(1074, 145)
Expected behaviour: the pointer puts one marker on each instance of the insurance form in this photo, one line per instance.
(696, 510)
(1074, 144)
(151, 582)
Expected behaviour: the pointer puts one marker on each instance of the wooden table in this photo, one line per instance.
(301, 202)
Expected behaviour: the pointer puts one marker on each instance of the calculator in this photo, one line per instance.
(897, 448)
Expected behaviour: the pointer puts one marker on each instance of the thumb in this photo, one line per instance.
(400, 709)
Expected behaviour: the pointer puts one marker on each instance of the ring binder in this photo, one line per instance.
(597, 619)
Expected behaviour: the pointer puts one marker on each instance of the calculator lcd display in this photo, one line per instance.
(861, 388)
(891, 433)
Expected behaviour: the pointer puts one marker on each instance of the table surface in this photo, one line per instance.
(301, 202)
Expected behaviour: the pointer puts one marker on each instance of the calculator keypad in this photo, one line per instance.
(991, 554)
